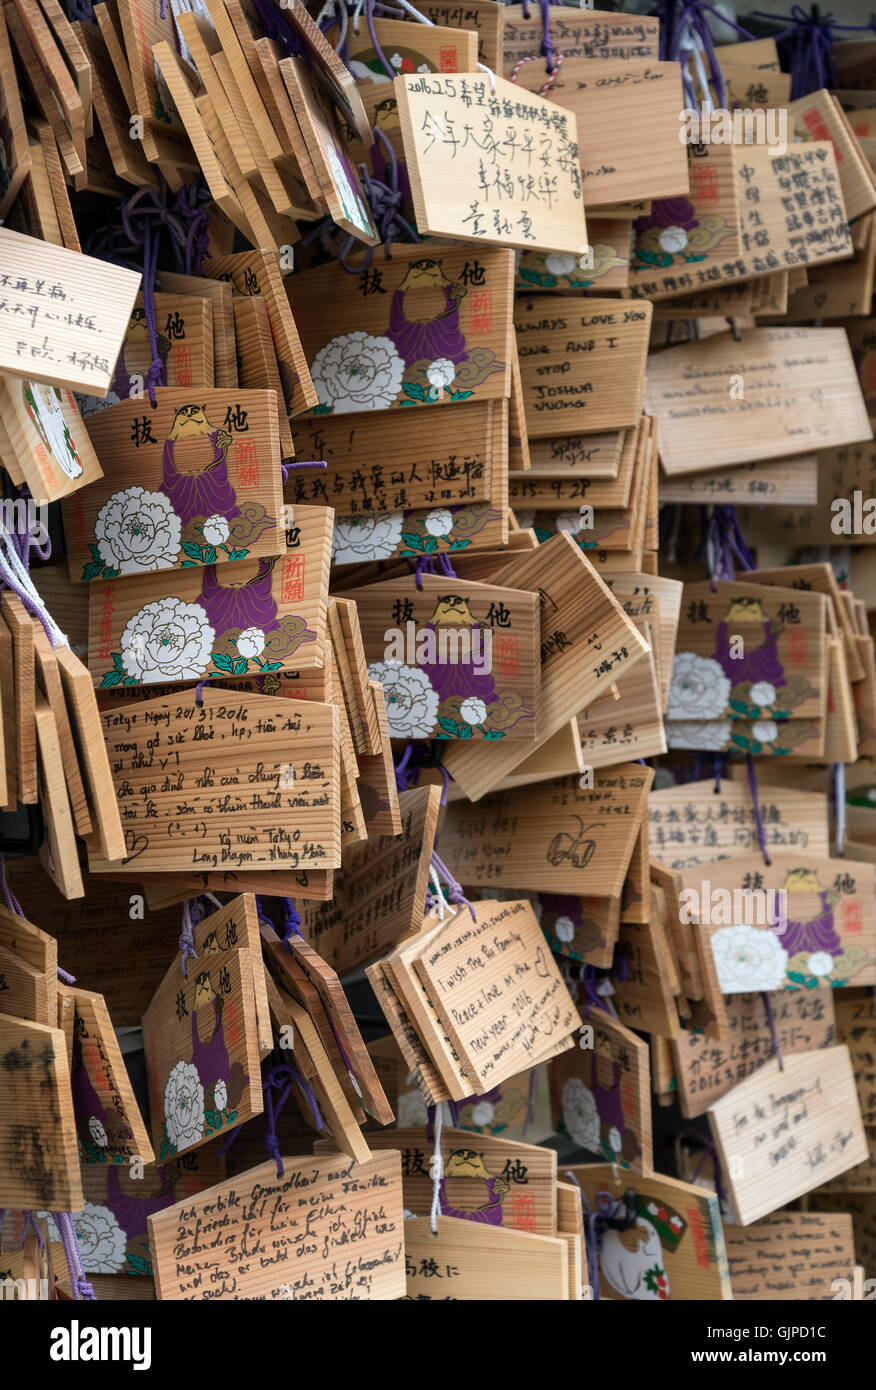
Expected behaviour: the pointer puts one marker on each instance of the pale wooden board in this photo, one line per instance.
(577, 604)
(109, 1126)
(607, 263)
(507, 204)
(20, 627)
(792, 1129)
(695, 824)
(218, 293)
(707, 1069)
(689, 1256)
(48, 437)
(40, 1169)
(16, 147)
(245, 834)
(790, 1255)
(91, 753)
(562, 836)
(478, 1262)
(113, 114)
(787, 482)
(48, 679)
(91, 304)
(856, 1027)
(336, 1184)
(606, 1078)
(590, 34)
(582, 364)
(818, 116)
(281, 598)
(701, 421)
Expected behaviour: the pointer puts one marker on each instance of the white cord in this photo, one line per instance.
(11, 563)
(437, 1168)
(356, 13)
(482, 67)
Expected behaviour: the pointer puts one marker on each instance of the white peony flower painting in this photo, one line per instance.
(167, 640)
(102, 1242)
(184, 1106)
(699, 689)
(580, 1115)
(411, 700)
(357, 371)
(137, 532)
(372, 536)
(748, 959)
(707, 734)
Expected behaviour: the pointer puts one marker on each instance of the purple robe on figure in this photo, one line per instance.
(818, 934)
(608, 1101)
(761, 664)
(199, 494)
(458, 677)
(441, 337)
(242, 605)
(490, 1216)
(211, 1057)
(131, 1212)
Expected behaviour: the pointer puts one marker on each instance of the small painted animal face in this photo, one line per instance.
(423, 274)
(802, 881)
(189, 421)
(203, 990)
(465, 1163)
(452, 610)
(745, 610)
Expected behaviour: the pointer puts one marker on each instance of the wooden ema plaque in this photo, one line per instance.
(856, 1027)
(64, 321)
(476, 671)
(328, 1228)
(784, 1131)
(497, 990)
(552, 836)
(707, 1068)
(268, 797)
(585, 34)
(790, 1255)
(486, 165)
(424, 330)
(201, 1041)
(600, 1093)
(675, 1248)
(475, 1262)
(259, 615)
(819, 933)
(109, 1125)
(699, 420)
(40, 1169)
(48, 438)
(695, 824)
(582, 364)
(196, 481)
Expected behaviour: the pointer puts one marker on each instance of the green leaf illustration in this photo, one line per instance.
(110, 678)
(450, 725)
(192, 548)
(240, 667)
(236, 554)
(466, 731)
(458, 545)
(495, 733)
(412, 539)
(458, 395)
(430, 544)
(92, 570)
(223, 662)
(413, 390)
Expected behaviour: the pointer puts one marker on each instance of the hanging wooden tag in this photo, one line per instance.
(856, 1027)
(33, 211)
(236, 926)
(695, 824)
(128, 156)
(66, 317)
(257, 361)
(91, 753)
(607, 264)
(59, 853)
(820, 932)
(46, 99)
(49, 683)
(218, 293)
(320, 1073)
(512, 1006)
(473, 1261)
(580, 928)
(463, 662)
(552, 835)
(250, 740)
(195, 482)
(20, 627)
(430, 48)
(488, 1180)
(16, 162)
(707, 1069)
(380, 893)
(782, 1132)
(585, 34)
(257, 273)
(587, 641)
(473, 148)
(601, 1093)
(790, 1255)
(351, 657)
(819, 116)
(24, 990)
(48, 438)
(583, 366)
(40, 1169)
(435, 329)
(354, 1249)
(338, 177)
(200, 1035)
(674, 1250)
(421, 1068)
(259, 615)
(32, 945)
(344, 1026)
(112, 1226)
(109, 1125)
(643, 996)
(377, 787)
(55, 72)
(184, 337)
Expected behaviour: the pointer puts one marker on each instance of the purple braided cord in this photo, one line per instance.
(771, 1024)
(82, 1289)
(186, 941)
(455, 894)
(758, 818)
